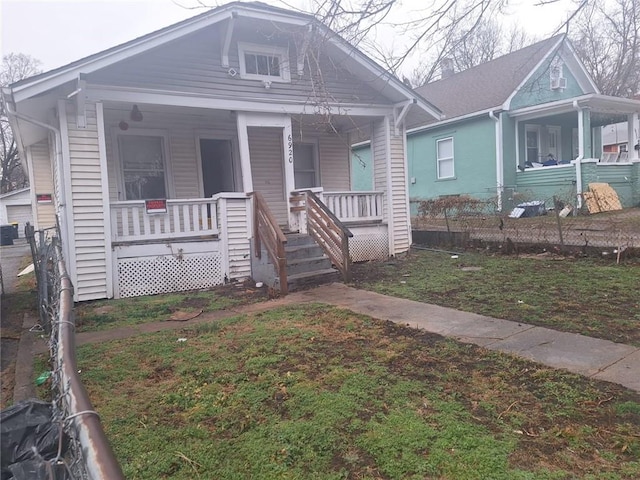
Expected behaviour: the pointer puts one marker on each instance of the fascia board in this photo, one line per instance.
(507, 103)
(187, 99)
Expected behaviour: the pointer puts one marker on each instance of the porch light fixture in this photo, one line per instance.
(136, 114)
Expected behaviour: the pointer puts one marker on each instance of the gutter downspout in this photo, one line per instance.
(499, 157)
(578, 161)
(58, 159)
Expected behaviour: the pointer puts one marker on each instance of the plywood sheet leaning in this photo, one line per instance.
(602, 198)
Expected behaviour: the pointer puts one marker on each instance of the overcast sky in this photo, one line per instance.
(59, 32)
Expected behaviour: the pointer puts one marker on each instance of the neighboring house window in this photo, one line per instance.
(305, 165)
(268, 63)
(445, 158)
(143, 166)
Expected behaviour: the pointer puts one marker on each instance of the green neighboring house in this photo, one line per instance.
(508, 119)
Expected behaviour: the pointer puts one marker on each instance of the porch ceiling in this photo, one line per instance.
(605, 110)
(598, 119)
(117, 111)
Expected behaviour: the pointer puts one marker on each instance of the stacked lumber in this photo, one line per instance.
(601, 197)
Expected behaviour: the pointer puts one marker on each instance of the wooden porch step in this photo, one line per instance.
(317, 277)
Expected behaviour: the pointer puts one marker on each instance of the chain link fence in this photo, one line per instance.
(84, 452)
(550, 223)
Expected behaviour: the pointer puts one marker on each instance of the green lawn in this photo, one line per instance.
(315, 392)
(593, 297)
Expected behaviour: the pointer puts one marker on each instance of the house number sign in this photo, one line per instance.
(290, 145)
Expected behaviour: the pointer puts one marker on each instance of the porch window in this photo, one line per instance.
(267, 63)
(143, 166)
(444, 149)
(305, 165)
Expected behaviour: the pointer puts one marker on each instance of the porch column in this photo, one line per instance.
(584, 133)
(633, 136)
(289, 176)
(390, 176)
(243, 147)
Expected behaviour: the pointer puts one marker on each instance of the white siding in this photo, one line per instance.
(379, 147)
(267, 169)
(398, 193)
(43, 183)
(87, 207)
(392, 169)
(235, 223)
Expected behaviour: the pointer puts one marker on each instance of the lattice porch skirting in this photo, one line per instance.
(143, 274)
(369, 242)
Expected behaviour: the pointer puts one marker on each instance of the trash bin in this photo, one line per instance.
(6, 235)
(15, 229)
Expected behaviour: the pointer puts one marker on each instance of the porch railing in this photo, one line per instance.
(330, 233)
(355, 206)
(268, 233)
(191, 217)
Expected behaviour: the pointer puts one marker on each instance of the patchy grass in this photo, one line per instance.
(587, 296)
(106, 314)
(315, 392)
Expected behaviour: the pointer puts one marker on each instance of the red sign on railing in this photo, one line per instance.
(158, 205)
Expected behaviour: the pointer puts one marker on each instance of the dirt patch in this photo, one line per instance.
(10, 330)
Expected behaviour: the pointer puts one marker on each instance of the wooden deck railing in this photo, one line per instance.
(189, 217)
(330, 233)
(267, 232)
(363, 207)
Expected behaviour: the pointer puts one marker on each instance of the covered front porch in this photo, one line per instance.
(559, 149)
(182, 188)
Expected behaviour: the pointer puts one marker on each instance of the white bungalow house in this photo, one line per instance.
(175, 160)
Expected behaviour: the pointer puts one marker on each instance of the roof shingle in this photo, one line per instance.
(487, 85)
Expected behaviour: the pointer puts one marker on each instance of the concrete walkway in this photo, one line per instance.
(591, 357)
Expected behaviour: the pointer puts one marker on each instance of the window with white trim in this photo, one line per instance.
(262, 62)
(444, 152)
(143, 165)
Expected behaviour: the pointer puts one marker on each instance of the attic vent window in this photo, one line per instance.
(267, 63)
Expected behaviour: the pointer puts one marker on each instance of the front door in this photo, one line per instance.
(555, 142)
(217, 166)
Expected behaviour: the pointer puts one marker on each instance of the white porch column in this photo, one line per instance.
(243, 147)
(289, 176)
(584, 133)
(390, 176)
(104, 178)
(633, 136)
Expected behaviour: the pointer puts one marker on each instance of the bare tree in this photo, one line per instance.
(471, 45)
(15, 66)
(606, 36)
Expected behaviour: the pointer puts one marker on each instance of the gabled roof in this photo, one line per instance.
(379, 77)
(14, 192)
(489, 85)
